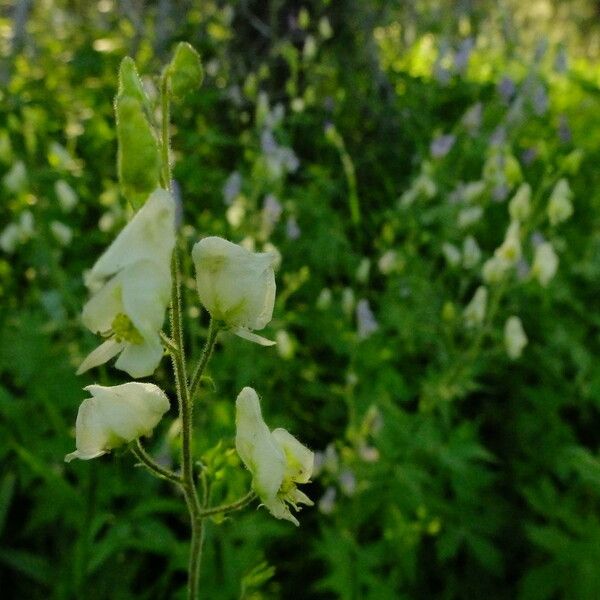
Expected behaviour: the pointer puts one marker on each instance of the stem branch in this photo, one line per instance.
(225, 508)
(141, 454)
(213, 332)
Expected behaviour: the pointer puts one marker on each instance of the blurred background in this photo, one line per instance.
(377, 145)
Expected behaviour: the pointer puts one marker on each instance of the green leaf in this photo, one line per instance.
(185, 71)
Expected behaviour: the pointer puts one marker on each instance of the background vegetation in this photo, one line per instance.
(366, 141)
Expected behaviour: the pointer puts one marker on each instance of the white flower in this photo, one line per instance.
(474, 312)
(471, 252)
(63, 233)
(545, 263)
(510, 249)
(520, 205)
(494, 269)
(560, 207)
(515, 338)
(235, 285)
(451, 254)
(117, 415)
(67, 197)
(276, 459)
(365, 319)
(468, 216)
(132, 281)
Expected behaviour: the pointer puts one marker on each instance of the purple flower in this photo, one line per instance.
(289, 159)
(540, 100)
(500, 192)
(232, 187)
(365, 319)
(272, 210)
(267, 142)
(507, 89)
(176, 193)
(529, 155)
(461, 58)
(537, 239)
(292, 229)
(498, 136)
(347, 482)
(441, 145)
(561, 61)
(327, 501)
(522, 269)
(564, 130)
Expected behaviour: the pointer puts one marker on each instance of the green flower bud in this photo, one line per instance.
(138, 157)
(185, 71)
(130, 84)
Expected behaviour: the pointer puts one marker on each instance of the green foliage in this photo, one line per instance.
(446, 469)
(138, 158)
(185, 70)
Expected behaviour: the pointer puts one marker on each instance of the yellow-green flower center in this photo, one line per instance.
(125, 331)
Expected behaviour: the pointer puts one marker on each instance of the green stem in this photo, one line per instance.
(177, 351)
(186, 414)
(168, 343)
(213, 332)
(141, 454)
(164, 100)
(225, 508)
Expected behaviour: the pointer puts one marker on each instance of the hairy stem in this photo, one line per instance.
(226, 508)
(186, 414)
(144, 458)
(213, 332)
(176, 349)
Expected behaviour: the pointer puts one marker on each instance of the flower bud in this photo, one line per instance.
(235, 285)
(138, 155)
(130, 84)
(514, 337)
(185, 71)
(276, 460)
(117, 415)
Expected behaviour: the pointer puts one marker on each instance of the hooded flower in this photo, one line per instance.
(131, 284)
(276, 459)
(117, 415)
(560, 207)
(515, 338)
(545, 263)
(235, 285)
(474, 312)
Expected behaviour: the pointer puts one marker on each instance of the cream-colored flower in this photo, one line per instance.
(560, 207)
(117, 415)
(276, 459)
(494, 269)
(131, 283)
(510, 249)
(520, 205)
(545, 263)
(236, 286)
(474, 312)
(515, 338)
